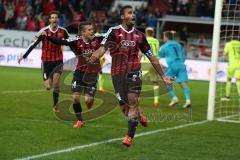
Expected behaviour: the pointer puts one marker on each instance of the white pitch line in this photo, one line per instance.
(228, 117)
(230, 121)
(22, 91)
(109, 141)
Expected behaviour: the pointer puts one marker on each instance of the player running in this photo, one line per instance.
(154, 44)
(232, 51)
(175, 58)
(52, 55)
(125, 42)
(85, 75)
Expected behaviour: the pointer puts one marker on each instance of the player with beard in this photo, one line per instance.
(124, 42)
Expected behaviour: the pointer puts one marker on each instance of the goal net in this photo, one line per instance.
(226, 99)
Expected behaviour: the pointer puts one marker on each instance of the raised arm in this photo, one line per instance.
(66, 42)
(30, 48)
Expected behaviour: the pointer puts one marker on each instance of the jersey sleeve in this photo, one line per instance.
(109, 38)
(145, 47)
(66, 34)
(39, 33)
(100, 39)
(66, 42)
(32, 46)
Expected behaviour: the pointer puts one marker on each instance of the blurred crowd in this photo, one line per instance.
(32, 15)
(200, 8)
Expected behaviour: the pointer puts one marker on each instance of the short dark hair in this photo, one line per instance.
(123, 9)
(169, 34)
(54, 12)
(83, 24)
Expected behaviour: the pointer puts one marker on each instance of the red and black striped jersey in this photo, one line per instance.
(125, 47)
(83, 50)
(51, 51)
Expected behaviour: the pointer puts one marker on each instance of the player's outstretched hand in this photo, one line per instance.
(167, 80)
(20, 59)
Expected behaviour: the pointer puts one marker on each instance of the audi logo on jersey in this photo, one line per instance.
(127, 43)
(88, 51)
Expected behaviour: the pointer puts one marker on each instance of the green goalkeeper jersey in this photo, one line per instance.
(232, 51)
(154, 44)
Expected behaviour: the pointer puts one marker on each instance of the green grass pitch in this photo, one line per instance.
(29, 127)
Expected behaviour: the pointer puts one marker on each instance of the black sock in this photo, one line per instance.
(55, 97)
(78, 110)
(132, 125)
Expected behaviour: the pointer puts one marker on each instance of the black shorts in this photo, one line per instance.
(124, 84)
(86, 82)
(49, 68)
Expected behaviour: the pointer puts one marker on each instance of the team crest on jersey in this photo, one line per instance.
(127, 43)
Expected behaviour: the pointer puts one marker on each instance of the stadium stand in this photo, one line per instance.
(31, 15)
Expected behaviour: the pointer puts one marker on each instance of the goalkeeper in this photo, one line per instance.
(232, 51)
(175, 58)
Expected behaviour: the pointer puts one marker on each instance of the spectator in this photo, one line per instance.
(38, 7)
(157, 13)
(22, 19)
(201, 8)
(40, 22)
(63, 6)
(21, 6)
(141, 16)
(48, 7)
(202, 45)
(210, 8)
(2, 14)
(64, 20)
(9, 9)
(152, 20)
(173, 6)
(184, 6)
(88, 7)
(31, 24)
(114, 18)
